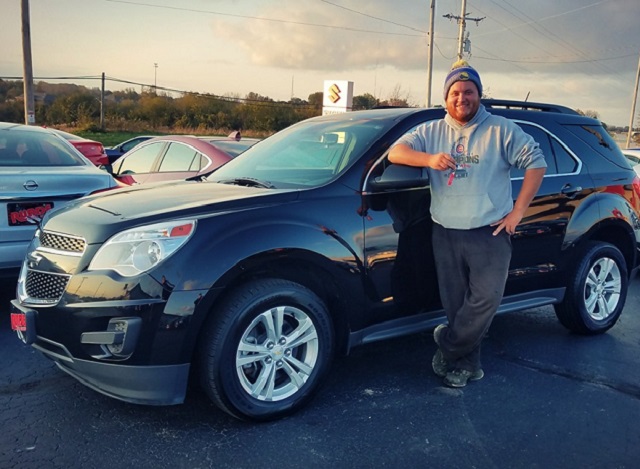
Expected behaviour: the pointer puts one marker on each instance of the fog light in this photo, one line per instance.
(120, 338)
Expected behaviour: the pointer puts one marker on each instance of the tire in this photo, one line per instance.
(597, 290)
(265, 350)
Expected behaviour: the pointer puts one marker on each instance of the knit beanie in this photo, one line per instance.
(462, 71)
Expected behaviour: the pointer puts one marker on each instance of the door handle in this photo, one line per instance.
(571, 191)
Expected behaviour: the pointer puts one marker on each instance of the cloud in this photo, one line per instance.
(315, 39)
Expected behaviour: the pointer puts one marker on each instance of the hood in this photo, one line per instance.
(100, 216)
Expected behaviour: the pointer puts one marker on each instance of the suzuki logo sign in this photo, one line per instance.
(337, 96)
(334, 93)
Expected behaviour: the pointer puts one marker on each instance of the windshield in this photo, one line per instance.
(308, 154)
(20, 147)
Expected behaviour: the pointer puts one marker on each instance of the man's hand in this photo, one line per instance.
(404, 154)
(441, 161)
(530, 185)
(508, 223)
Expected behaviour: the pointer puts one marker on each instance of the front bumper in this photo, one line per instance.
(148, 384)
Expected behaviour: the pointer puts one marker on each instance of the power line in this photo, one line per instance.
(262, 18)
(546, 32)
(173, 90)
(373, 17)
(560, 62)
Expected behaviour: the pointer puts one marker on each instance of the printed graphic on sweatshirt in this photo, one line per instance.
(464, 160)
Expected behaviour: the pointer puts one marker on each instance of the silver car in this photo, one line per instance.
(633, 155)
(39, 171)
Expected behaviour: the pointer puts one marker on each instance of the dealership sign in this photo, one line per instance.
(337, 96)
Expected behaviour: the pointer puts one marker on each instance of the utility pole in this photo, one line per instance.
(29, 106)
(155, 78)
(633, 106)
(102, 104)
(462, 23)
(430, 51)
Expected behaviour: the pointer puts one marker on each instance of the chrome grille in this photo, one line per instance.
(45, 286)
(61, 242)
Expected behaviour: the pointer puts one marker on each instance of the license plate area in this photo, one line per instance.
(27, 213)
(23, 321)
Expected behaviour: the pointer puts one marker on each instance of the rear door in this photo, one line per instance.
(137, 166)
(538, 240)
(179, 161)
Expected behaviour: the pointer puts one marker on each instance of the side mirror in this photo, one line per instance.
(397, 176)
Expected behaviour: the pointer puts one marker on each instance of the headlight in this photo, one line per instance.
(138, 250)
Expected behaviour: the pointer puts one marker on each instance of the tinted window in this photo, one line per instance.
(558, 159)
(598, 138)
(179, 157)
(542, 138)
(129, 145)
(141, 160)
(564, 161)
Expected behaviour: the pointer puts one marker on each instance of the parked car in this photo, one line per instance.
(116, 151)
(232, 145)
(39, 171)
(93, 150)
(633, 155)
(174, 157)
(305, 246)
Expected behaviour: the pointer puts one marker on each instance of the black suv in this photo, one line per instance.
(307, 245)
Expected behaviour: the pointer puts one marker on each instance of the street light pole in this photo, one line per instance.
(29, 102)
(633, 106)
(155, 78)
(430, 52)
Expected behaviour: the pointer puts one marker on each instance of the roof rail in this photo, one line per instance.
(527, 106)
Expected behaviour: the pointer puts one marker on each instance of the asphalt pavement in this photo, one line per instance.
(549, 399)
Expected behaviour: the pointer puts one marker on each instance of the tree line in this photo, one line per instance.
(79, 107)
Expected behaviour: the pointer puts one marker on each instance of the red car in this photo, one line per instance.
(89, 148)
(175, 157)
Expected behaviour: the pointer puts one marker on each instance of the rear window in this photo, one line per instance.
(599, 139)
(28, 148)
(558, 159)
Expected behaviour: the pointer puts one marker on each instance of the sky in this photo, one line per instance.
(579, 53)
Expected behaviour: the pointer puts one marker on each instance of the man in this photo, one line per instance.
(468, 156)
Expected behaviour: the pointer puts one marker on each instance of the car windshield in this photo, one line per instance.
(20, 147)
(308, 154)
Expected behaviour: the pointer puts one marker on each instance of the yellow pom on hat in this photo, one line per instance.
(459, 63)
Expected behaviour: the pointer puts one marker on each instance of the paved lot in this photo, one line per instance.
(549, 399)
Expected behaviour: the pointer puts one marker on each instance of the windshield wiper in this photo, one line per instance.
(246, 181)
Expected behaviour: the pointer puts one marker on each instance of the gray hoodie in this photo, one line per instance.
(478, 193)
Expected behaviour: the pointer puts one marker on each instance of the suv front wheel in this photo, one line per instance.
(266, 349)
(596, 291)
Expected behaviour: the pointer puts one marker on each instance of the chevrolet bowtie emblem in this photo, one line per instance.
(33, 259)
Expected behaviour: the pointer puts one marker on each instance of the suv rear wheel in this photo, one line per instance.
(266, 349)
(596, 291)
